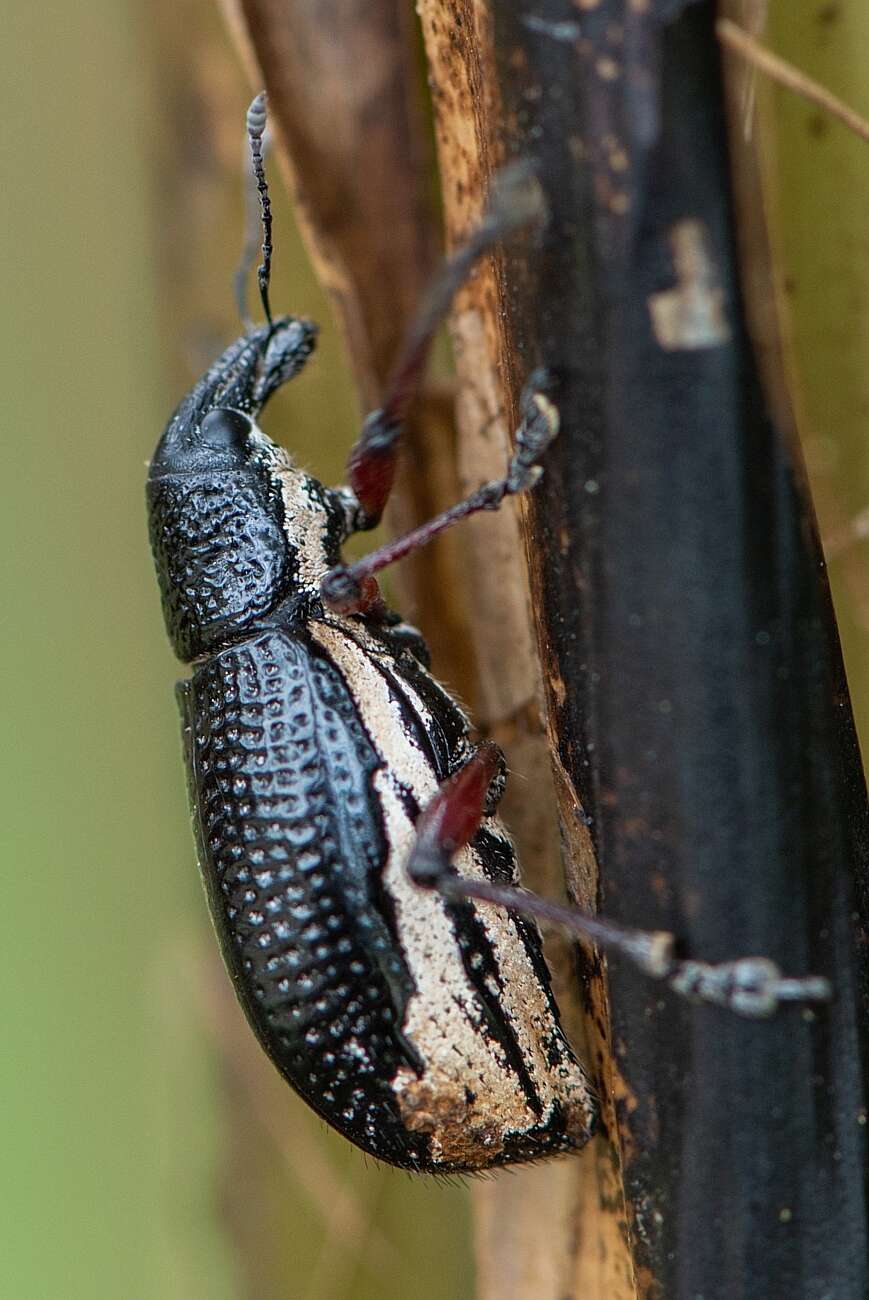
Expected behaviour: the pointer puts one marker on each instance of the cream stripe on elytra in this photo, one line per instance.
(468, 1093)
(444, 1018)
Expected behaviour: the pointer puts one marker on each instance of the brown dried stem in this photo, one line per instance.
(762, 58)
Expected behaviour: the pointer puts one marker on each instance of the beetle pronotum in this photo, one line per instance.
(362, 887)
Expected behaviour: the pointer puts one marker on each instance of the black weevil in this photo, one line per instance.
(363, 890)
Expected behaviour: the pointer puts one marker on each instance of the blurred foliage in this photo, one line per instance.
(145, 1151)
(135, 1163)
(822, 199)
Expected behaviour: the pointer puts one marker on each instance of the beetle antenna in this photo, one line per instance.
(252, 230)
(258, 144)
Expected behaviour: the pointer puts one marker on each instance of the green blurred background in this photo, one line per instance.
(145, 1152)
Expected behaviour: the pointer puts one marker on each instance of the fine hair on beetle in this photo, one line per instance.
(364, 892)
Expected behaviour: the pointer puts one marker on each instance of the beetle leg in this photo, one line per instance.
(343, 587)
(515, 200)
(750, 986)
(455, 813)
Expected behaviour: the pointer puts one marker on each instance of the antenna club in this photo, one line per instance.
(256, 125)
(256, 116)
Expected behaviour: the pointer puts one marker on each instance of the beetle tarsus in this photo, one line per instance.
(751, 986)
(539, 425)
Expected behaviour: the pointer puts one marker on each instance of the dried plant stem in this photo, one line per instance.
(736, 38)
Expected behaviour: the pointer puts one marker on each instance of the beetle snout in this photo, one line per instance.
(284, 350)
(207, 430)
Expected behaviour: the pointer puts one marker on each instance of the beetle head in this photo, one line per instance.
(235, 527)
(242, 379)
